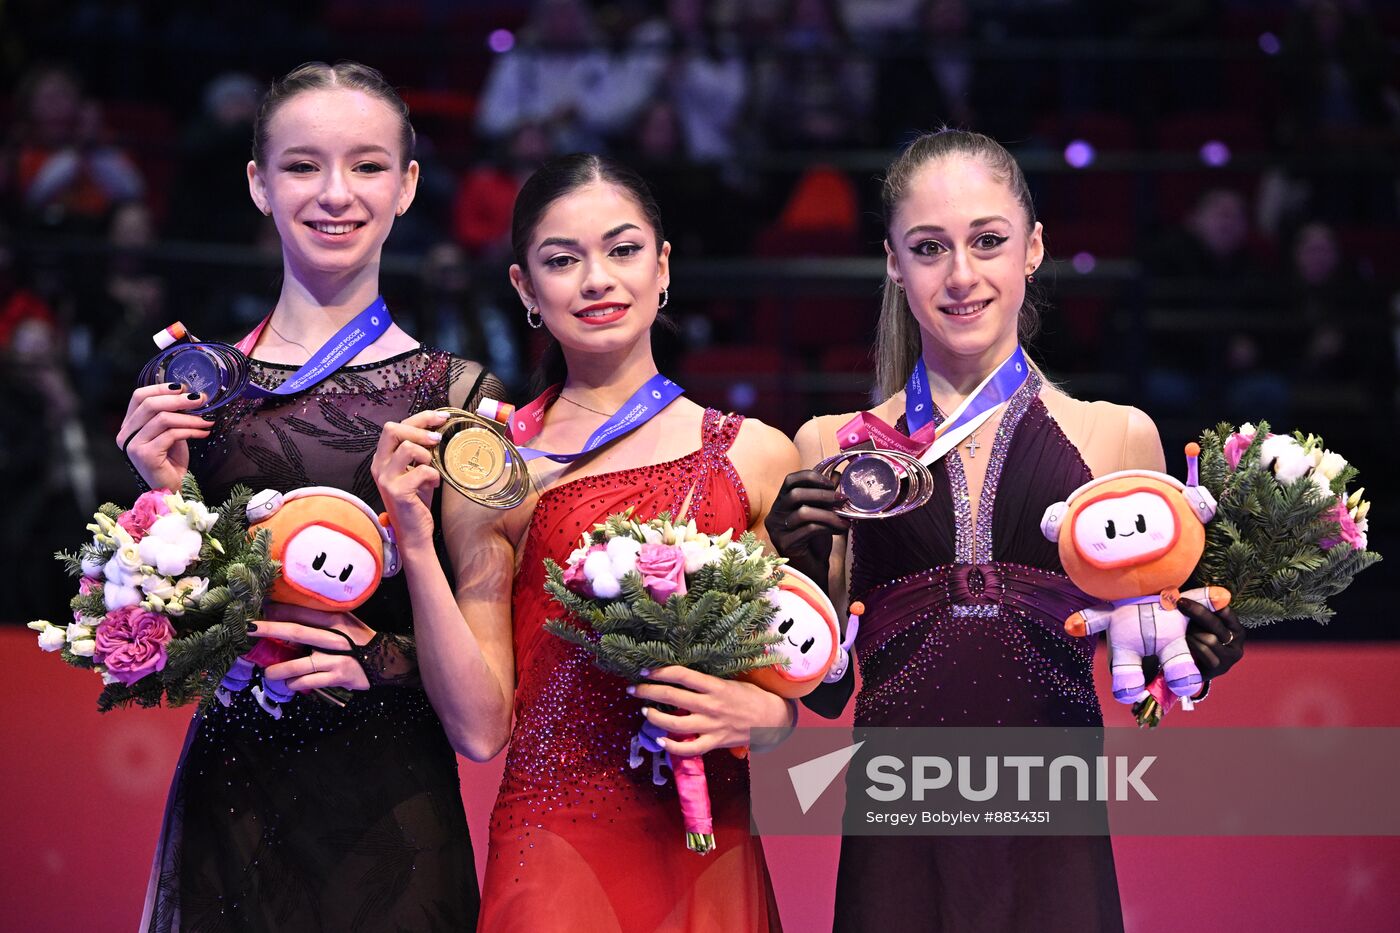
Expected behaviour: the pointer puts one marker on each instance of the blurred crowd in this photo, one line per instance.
(1216, 177)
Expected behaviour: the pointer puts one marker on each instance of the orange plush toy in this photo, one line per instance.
(1132, 539)
(334, 550)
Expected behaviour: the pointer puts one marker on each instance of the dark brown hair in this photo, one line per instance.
(556, 179)
(318, 76)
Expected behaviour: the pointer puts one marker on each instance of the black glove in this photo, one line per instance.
(1216, 639)
(803, 520)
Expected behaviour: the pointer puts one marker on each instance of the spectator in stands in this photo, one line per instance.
(934, 60)
(457, 316)
(62, 171)
(1207, 265)
(1335, 68)
(690, 58)
(209, 204)
(51, 467)
(815, 91)
(557, 76)
(486, 194)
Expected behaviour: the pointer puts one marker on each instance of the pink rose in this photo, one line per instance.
(131, 643)
(1347, 530)
(1235, 447)
(574, 577)
(88, 585)
(138, 519)
(662, 567)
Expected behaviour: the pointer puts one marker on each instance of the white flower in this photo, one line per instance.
(51, 637)
(107, 679)
(199, 517)
(1322, 483)
(1331, 465)
(119, 596)
(191, 590)
(606, 587)
(576, 556)
(84, 648)
(153, 584)
(124, 566)
(622, 555)
(77, 631)
(1285, 458)
(171, 545)
(596, 565)
(652, 535)
(92, 566)
(698, 553)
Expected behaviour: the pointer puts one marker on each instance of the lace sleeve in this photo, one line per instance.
(468, 383)
(390, 660)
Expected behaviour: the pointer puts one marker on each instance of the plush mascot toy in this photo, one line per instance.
(334, 550)
(1132, 538)
(811, 641)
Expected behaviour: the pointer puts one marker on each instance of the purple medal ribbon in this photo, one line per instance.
(643, 405)
(924, 440)
(364, 329)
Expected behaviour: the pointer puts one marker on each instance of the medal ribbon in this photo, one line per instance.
(643, 405)
(925, 440)
(364, 329)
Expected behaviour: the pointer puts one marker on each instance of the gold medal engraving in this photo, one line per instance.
(476, 458)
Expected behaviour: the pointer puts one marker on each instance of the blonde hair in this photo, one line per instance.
(897, 339)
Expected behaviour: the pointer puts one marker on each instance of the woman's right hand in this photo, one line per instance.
(803, 520)
(156, 431)
(403, 470)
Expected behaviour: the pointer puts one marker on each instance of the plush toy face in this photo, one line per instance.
(325, 560)
(1120, 530)
(1131, 535)
(331, 551)
(807, 636)
(806, 621)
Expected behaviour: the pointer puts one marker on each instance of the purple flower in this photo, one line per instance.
(131, 643)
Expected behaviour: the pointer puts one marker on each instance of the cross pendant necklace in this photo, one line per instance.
(972, 446)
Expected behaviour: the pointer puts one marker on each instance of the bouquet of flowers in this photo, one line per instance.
(1287, 535)
(165, 592)
(643, 595)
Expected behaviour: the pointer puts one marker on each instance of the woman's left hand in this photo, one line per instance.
(309, 627)
(1216, 639)
(722, 713)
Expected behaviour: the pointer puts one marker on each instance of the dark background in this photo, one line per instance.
(1217, 180)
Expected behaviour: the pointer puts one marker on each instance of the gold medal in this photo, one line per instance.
(477, 459)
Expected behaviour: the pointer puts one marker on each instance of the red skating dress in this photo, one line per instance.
(579, 841)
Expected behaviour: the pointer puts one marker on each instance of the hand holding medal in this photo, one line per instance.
(877, 483)
(217, 371)
(477, 459)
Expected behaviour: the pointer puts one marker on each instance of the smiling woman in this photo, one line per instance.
(578, 840)
(328, 817)
(964, 599)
